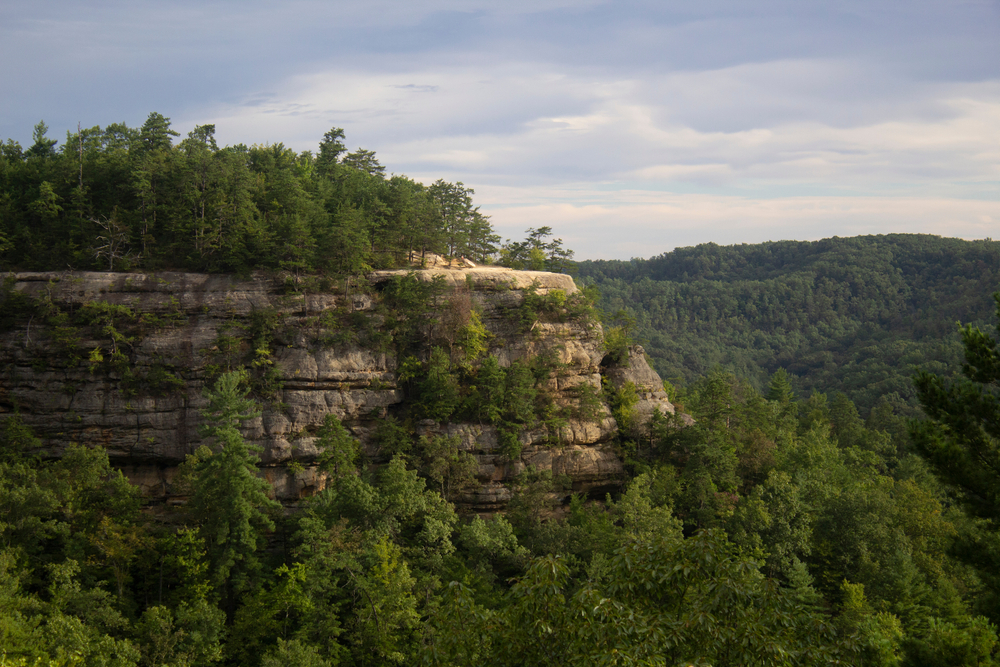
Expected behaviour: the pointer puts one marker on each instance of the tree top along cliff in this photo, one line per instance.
(122, 198)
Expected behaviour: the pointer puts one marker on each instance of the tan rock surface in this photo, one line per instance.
(63, 400)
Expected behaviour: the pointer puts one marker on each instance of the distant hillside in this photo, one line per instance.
(842, 314)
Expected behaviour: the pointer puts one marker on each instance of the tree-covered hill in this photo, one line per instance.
(117, 197)
(842, 314)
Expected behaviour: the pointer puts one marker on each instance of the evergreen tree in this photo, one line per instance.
(962, 438)
(43, 147)
(229, 500)
(330, 150)
(961, 441)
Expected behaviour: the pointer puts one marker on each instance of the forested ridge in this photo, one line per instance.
(120, 198)
(856, 315)
(785, 526)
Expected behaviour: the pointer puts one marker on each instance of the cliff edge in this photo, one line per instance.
(119, 361)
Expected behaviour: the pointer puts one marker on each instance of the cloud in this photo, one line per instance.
(644, 224)
(744, 117)
(522, 122)
(620, 172)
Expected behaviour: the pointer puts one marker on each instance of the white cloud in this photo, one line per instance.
(670, 119)
(503, 124)
(611, 166)
(644, 224)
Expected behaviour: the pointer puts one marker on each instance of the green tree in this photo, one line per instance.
(330, 150)
(445, 463)
(43, 147)
(156, 134)
(339, 451)
(364, 160)
(438, 392)
(466, 230)
(229, 500)
(661, 601)
(537, 252)
(961, 440)
(190, 636)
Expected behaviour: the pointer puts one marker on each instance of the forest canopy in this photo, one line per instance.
(121, 198)
(856, 315)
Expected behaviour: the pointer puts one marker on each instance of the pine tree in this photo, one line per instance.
(962, 438)
(961, 441)
(229, 501)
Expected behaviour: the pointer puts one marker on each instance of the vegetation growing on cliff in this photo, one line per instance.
(775, 531)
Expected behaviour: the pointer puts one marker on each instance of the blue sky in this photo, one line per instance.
(630, 128)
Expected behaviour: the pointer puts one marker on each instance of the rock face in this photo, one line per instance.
(120, 360)
(648, 385)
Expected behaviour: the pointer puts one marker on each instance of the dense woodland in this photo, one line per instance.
(857, 315)
(122, 198)
(785, 527)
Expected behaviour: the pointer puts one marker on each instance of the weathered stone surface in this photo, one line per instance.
(494, 278)
(648, 385)
(64, 399)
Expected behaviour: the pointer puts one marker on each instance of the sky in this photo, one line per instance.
(628, 127)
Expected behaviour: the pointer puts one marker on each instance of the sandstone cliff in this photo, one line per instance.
(119, 361)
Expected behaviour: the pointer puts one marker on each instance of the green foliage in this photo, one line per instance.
(622, 401)
(192, 636)
(948, 644)
(117, 196)
(616, 345)
(536, 253)
(961, 442)
(265, 379)
(962, 438)
(552, 305)
(492, 539)
(229, 502)
(445, 463)
(228, 404)
(438, 394)
(65, 525)
(391, 437)
(879, 634)
(845, 314)
(294, 653)
(459, 631)
(393, 502)
(838, 548)
(472, 339)
(774, 523)
(339, 451)
(410, 308)
(668, 600)
(505, 398)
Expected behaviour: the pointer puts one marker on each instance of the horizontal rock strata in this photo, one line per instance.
(183, 328)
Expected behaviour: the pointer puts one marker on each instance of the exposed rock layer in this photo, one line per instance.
(195, 324)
